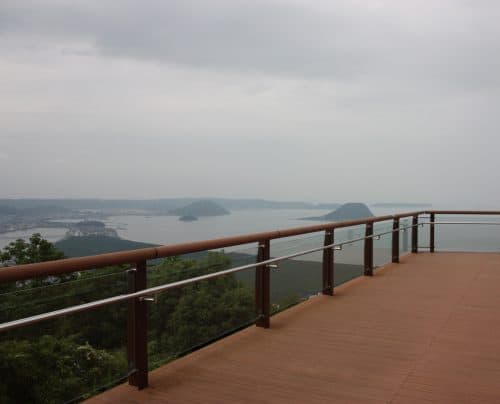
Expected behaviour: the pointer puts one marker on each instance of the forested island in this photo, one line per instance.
(348, 211)
(197, 209)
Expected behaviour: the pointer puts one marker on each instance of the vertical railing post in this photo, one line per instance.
(395, 240)
(262, 286)
(414, 235)
(328, 274)
(432, 240)
(369, 249)
(137, 328)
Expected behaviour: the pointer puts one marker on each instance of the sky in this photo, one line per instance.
(321, 101)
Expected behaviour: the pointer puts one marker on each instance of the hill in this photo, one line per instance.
(91, 245)
(199, 209)
(156, 206)
(348, 211)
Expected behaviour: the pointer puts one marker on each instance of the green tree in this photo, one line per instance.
(36, 250)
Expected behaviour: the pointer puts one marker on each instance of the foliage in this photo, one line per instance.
(52, 370)
(36, 250)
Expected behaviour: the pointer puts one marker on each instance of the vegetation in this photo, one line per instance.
(91, 245)
(36, 250)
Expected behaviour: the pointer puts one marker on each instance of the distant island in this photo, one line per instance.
(198, 209)
(91, 228)
(348, 211)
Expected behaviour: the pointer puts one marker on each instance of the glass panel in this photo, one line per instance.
(424, 240)
(186, 318)
(349, 262)
(382, 247)
(298, 278)
(64, 359)
(36, 296)
(405, 236)
(467, 237)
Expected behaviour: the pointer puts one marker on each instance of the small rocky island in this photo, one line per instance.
(194, 210)
(348, 211)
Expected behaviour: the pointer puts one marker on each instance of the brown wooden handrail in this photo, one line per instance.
(59, 267)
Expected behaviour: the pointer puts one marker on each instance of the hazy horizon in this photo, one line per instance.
(322, 101)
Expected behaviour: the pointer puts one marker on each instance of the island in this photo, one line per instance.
(91, 228)
(202, 208)
(348, 211)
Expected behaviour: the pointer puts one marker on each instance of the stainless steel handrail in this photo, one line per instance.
(478, 223)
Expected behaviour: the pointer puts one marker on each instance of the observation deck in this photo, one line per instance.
(372, 310)
(424, 330)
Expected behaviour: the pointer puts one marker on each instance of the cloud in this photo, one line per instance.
(282, 91)
(449, 44)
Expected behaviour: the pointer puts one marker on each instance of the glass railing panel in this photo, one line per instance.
(405, 236)
(187, 318)
(424, 240)
(66, 359)
(296, 279)
(349, 261)
(36, 296)
(382, 244)
(467, 237)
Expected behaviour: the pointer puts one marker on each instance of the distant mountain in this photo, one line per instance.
(35, 210)
(158, 206)
(348, 211)
(92, 245)
(200, 209)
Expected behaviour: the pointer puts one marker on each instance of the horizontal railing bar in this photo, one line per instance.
(463, 212)
(59, 267)
(486, 223)
(161, 288)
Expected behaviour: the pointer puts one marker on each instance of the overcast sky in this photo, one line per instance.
(329, 101)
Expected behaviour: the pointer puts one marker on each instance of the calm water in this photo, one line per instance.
(169, 229)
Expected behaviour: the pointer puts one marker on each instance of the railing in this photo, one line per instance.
(139, 294)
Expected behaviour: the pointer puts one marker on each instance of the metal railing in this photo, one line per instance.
(138, 293)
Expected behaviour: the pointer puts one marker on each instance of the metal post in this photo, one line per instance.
(262, 286)
(395, 240)
(432, 241)
(328, 264)
(369, 250)
(414, 235)
(137, 328)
